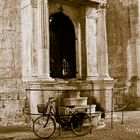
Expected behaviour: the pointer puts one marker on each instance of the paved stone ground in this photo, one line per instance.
(130, 130)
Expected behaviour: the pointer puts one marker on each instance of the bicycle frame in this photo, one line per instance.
(58, 118)
(47, 121)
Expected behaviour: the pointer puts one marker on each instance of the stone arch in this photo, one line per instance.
(62, 46)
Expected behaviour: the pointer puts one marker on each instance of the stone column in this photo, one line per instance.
(91, 22)
(138, 52)
(102, 44)
(105, 81)
(131, 48)
(138, 39)
(28, 17)
(43, 40)
(30, 48)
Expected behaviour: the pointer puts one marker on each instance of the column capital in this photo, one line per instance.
(34, 3)
(102, 8)
(41, 0)
(26, 3)
(91, 13)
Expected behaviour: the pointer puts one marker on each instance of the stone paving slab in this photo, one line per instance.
(130, 130)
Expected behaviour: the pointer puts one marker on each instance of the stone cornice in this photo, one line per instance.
(34, 3)
(99, 1)
(81, 2)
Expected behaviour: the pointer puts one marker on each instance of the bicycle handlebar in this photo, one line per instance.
(51, 99)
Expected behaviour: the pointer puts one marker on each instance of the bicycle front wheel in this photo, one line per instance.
(81, 124)
(44, 126)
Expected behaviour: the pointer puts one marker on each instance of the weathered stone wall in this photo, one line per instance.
(123, 45)
(13, 99)
(10, 40)
(121, 30)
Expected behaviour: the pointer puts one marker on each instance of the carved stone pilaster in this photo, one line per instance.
(138, 54)
(91, 32)
(138, 39)
(35, 39)
(102, 42)
(28, 39)
(43, 40)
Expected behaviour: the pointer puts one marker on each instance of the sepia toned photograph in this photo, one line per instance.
(70, 69)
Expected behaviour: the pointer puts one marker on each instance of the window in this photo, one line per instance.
(62, 47)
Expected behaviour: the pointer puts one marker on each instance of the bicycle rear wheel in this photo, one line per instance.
(44, 126)
(81, 124)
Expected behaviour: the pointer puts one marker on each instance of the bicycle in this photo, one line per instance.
(45, 125)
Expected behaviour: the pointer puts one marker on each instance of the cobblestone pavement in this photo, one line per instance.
(130, 130)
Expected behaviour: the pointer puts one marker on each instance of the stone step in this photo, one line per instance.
(95, 116)
(65, 110)
(75, 94)
(80, 101)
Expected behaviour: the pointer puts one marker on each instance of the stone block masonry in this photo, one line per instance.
(13, 104)
(122, 34)
(13, 99)
(123, 45)
(24, 52)
(10, 40)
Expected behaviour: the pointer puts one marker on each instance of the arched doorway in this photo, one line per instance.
(62, 47)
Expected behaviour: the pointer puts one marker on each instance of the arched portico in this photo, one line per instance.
(85, 48)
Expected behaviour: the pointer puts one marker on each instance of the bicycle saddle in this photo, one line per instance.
(70, 106)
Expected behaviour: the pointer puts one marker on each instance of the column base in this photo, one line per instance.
(37, 78)
(106, 77)
(98, 77)
(92, 78)
(45, 77)
(138, 89)
(103, 92)
(138, 95)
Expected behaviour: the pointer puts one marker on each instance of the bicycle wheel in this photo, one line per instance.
(44, 126)
(81, 124)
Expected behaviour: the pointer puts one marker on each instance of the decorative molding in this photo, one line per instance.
(99, 1)
(102, 8)
(34, 3)
(91, 13)
(26, 3)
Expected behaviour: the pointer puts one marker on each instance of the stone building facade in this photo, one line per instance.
(123, 45)
(12, 97)
(64, 44)
(25, 51)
